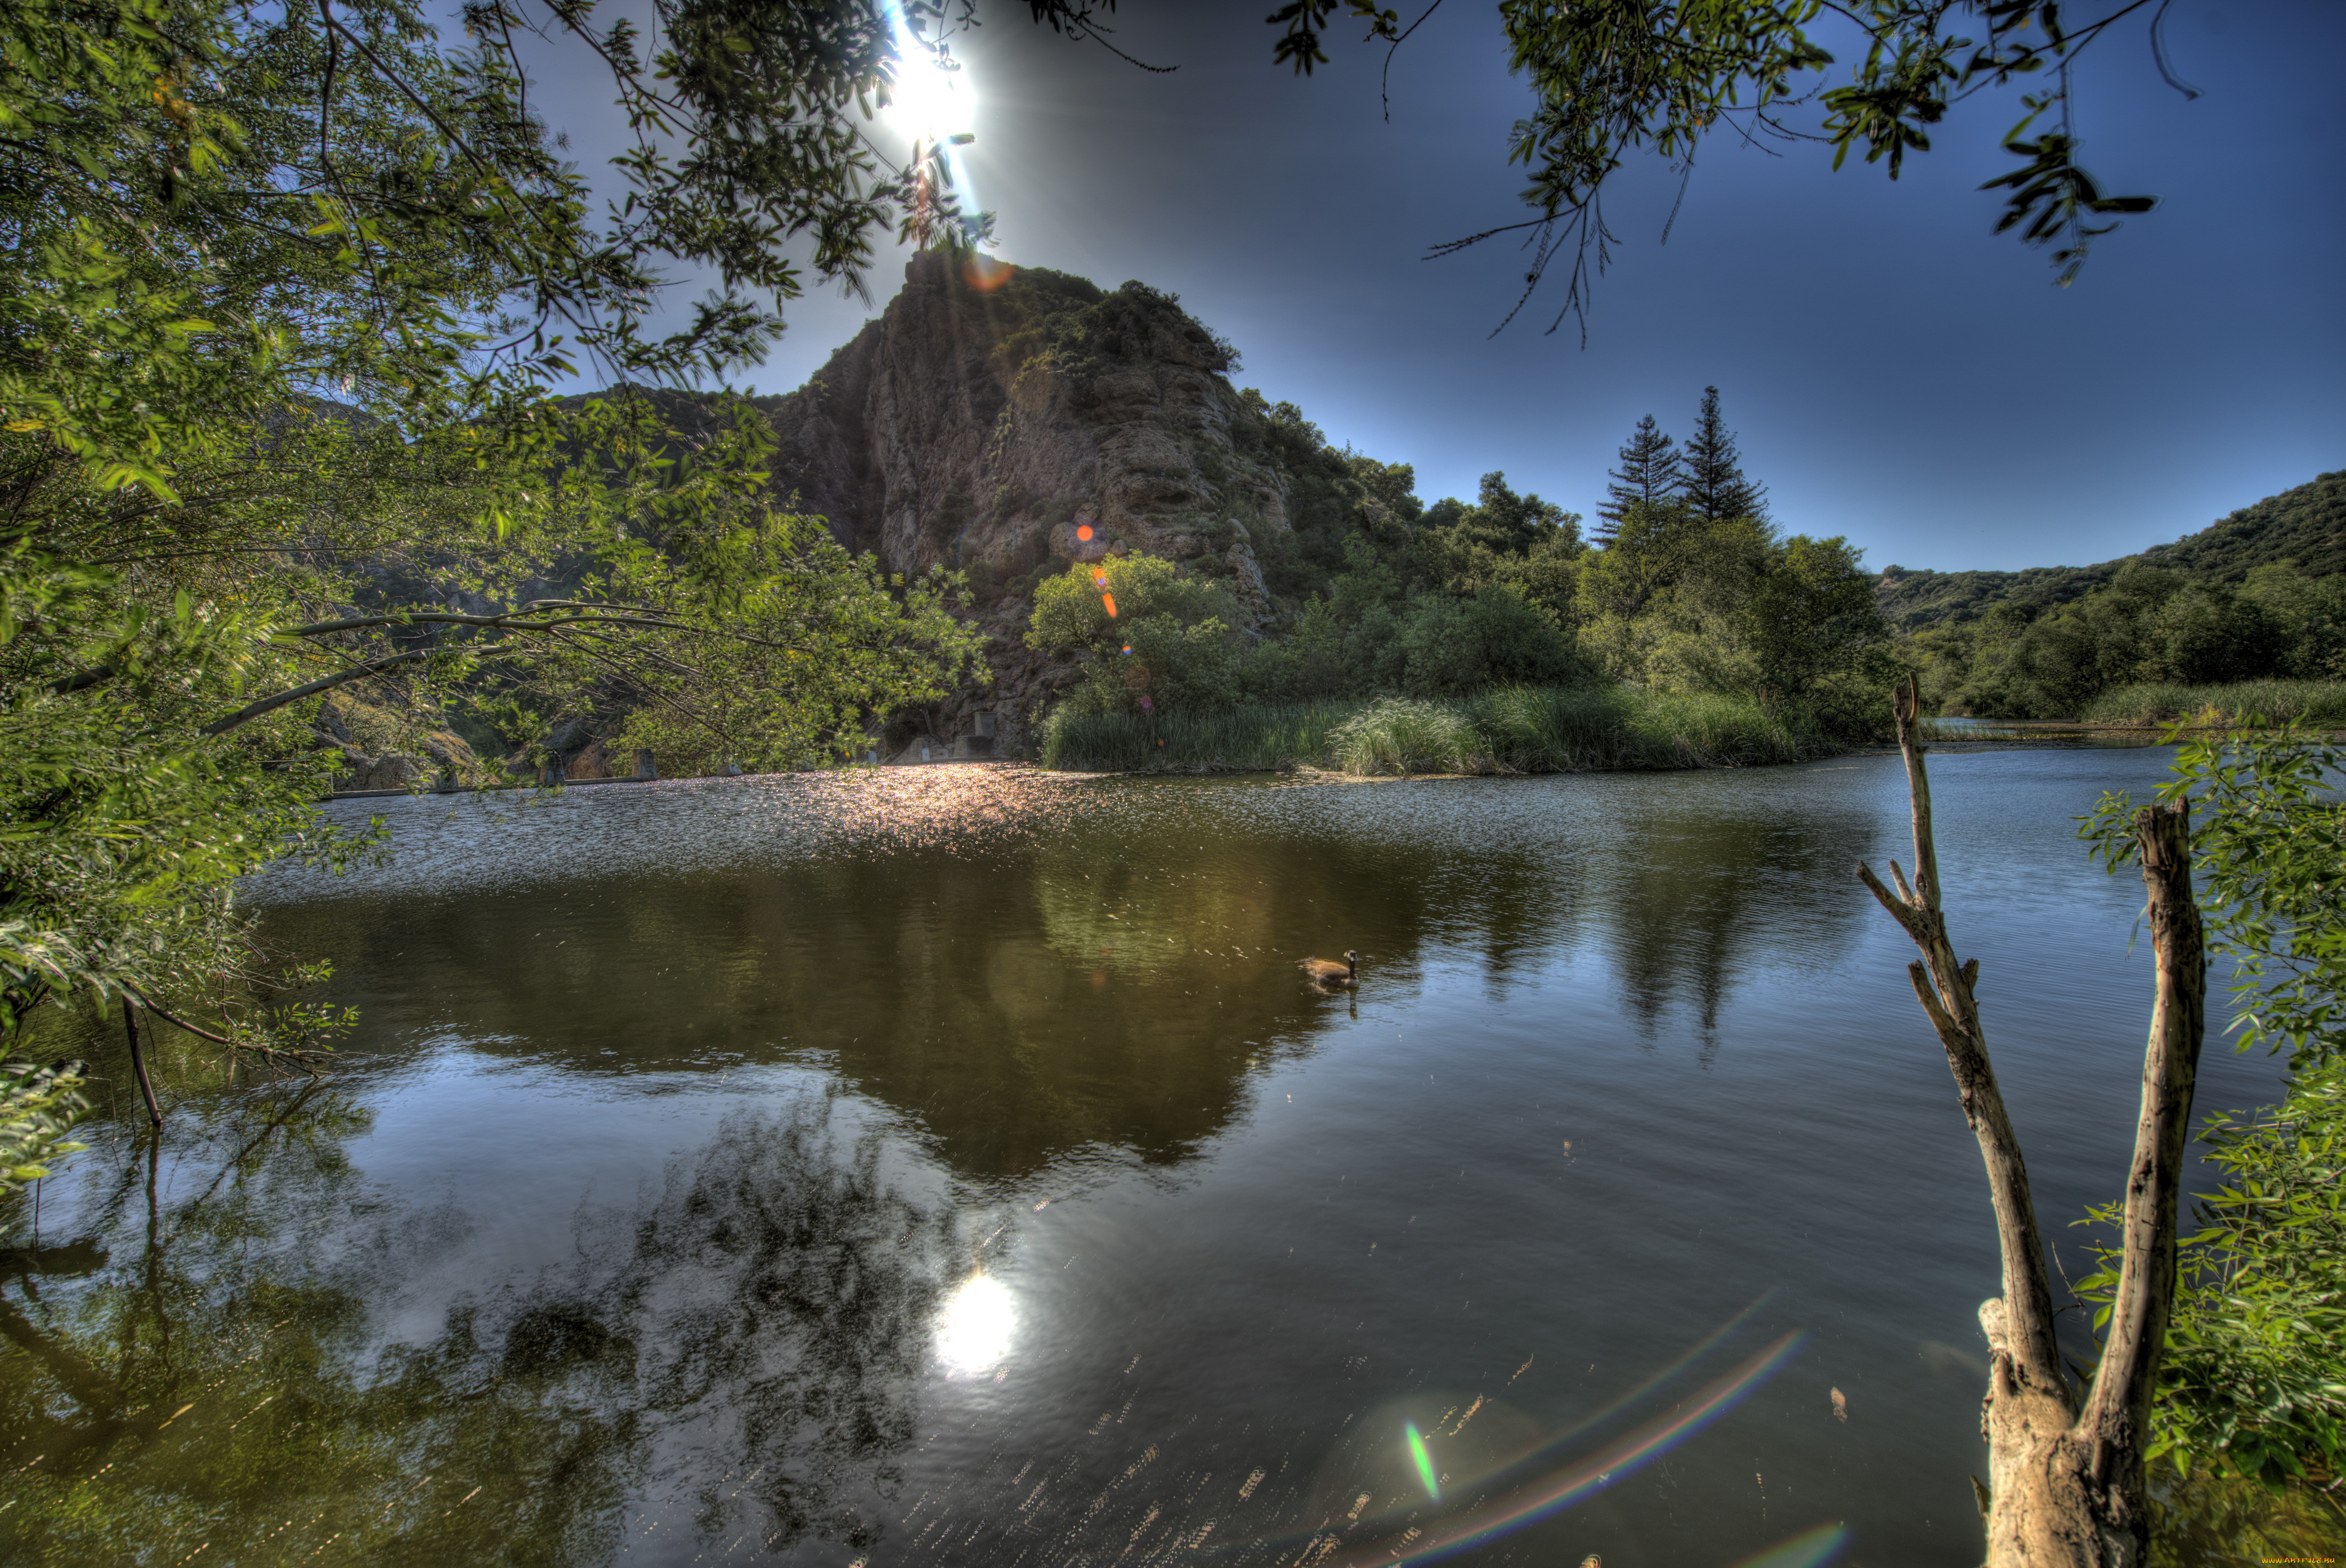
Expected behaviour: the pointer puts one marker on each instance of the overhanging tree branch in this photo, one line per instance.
(253, 711)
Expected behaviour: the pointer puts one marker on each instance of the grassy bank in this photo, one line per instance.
(2314, 701)
(1513, 730)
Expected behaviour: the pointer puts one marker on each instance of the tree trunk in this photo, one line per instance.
(2066, 1485)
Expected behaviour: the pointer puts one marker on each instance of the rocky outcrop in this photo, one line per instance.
(1007, 422)
(382, 750)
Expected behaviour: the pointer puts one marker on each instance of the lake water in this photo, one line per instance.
(949, 1166)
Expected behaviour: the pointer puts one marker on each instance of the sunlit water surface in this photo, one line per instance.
(950, 1167)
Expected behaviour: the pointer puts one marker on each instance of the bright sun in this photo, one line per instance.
(928, 101)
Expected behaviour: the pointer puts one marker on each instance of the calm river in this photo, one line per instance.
(948, 1166)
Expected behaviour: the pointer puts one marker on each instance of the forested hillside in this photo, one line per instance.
(2306, 525)
(2259, 595)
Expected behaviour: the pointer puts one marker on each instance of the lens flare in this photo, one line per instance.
(984, 274)
(1083, 530)
(1109, 600)
(1550, 1494)
(1810, 1549)
(1423, 1460)
(1149, 707)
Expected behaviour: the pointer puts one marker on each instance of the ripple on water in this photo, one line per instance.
(510, 839)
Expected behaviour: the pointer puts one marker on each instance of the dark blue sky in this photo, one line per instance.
(1895, 371)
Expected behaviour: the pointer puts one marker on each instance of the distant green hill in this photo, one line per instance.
(2307, 525)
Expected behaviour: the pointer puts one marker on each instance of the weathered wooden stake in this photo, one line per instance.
(2066, 1486)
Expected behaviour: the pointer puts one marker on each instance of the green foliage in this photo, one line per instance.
(1729, 608)
(1441, 603)
(2254, 1379)
(1440, 645)
(122, 826)
(1715, 484)
(1612, 79)
(217, 213)
(38, 1107)
(1247, 737)
(1652, 474)
(780, 669)
(2147, 625)
(1175, 628)
(1511, 730)
(2270, 842)
(1403, 735)
(1334, 495)
(2321, 702)
(209, 202)
(2306, 526)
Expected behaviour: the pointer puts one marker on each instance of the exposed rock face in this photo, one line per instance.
(378, 752)
(986, 428)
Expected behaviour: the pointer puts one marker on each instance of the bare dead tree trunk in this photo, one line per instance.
(2066, 1485)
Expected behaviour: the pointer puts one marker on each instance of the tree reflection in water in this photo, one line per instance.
(211, 1358)
(199, 1371)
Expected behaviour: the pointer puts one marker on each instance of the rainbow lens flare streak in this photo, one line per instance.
(1424, 1460)
(1810, 1549)
(1511, 1510)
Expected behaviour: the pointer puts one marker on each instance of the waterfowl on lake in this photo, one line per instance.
(1327, 971)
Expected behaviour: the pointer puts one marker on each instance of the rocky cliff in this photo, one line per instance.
(1007, 421)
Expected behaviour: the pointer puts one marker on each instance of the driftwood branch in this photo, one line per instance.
(2068, 1486)
(1944, 986)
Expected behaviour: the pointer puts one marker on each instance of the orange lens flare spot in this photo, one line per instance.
(984, 274)
(1109, 600)
(1084, 531)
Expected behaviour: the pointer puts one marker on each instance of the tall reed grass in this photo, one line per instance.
(2312, 701)
(1516, 730)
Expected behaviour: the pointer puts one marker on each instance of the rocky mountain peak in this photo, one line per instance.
(1006, 420)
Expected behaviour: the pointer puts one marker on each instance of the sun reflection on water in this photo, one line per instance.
(976, 1325)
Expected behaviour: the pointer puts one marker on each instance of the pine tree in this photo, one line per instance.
(1652, 471)
(1715, 486)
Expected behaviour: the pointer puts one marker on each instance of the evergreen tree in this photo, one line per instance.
(1715, 486)
(1651, 472)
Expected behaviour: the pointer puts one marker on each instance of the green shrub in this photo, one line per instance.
(2254, 1381)
(1403, 735)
